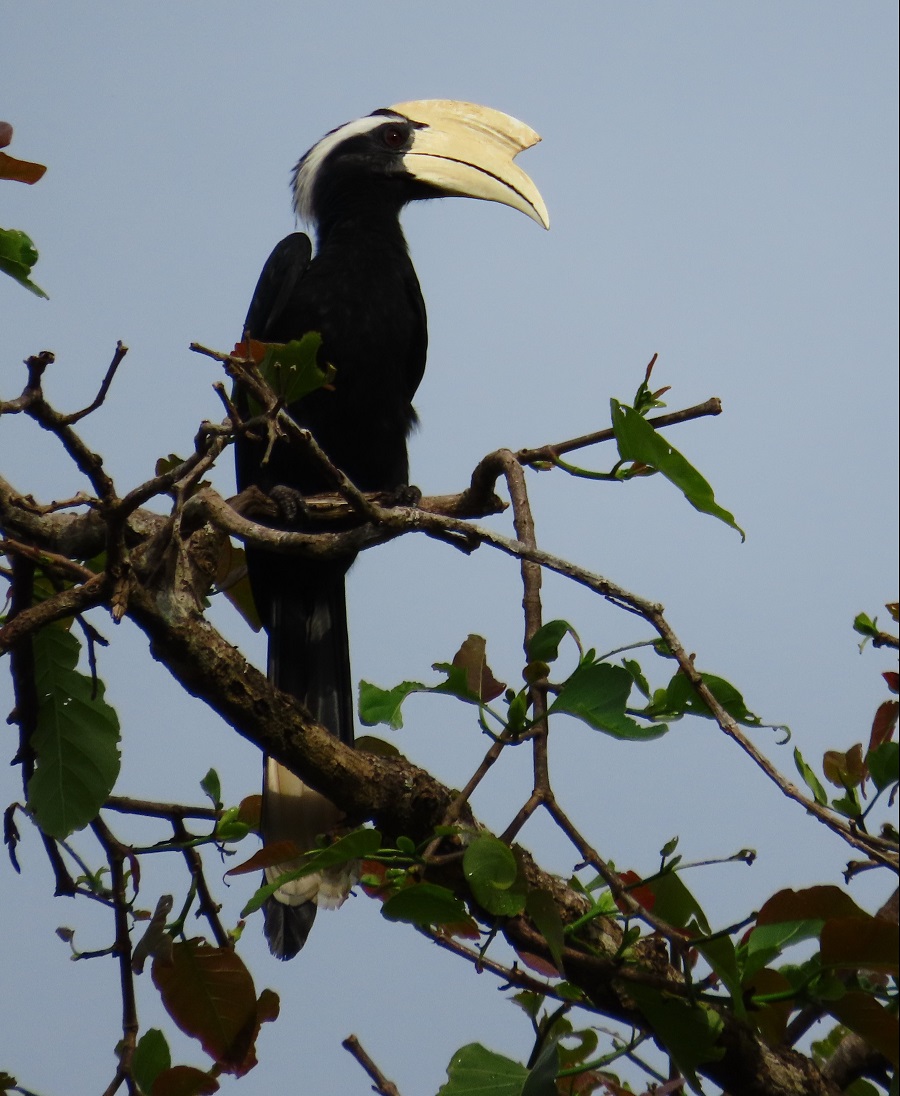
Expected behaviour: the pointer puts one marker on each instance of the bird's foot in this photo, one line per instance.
(290, 502)
(404, 495)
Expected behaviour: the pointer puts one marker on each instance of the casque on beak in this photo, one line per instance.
(468, 150)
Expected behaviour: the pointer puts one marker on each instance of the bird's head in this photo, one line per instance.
(429, 148)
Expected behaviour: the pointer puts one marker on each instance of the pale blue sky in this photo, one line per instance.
(721, 181)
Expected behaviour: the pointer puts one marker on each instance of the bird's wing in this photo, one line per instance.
(277, 285)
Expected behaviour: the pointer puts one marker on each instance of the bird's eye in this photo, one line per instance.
(394, 136)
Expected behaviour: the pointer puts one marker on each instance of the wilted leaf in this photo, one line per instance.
(638, 441)
(472, 659)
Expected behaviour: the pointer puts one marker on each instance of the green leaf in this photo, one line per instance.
(151, 1057)
(76, 740)
(544, 912)
(675, 903)
(492, 872)
(377, 705)
(541, 1079)
(638, 441)
(810, 779)
(884, 764)
(212, 786)
(476, 1071)
(544, 644)
(292, 369)
(689, 1032)
(721, 955)
(864, 624)
(425, 904)
(597, 694)
(17, 256)
(681, 698)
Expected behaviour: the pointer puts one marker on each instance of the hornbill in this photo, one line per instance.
(360, 293)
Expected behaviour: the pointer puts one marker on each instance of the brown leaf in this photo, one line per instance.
(867, 944)
(472, 657)
(861, 1013)
(6, 132)
(845, 770)
(22, 171)
(884, 723)
(249, 811)
(813, 903)
(279, 852)
(209, 993)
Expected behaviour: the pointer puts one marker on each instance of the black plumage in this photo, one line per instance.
(361, 294)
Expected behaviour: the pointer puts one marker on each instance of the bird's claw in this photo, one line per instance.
(290, 502)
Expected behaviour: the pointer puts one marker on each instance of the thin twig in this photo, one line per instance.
(380, 1083)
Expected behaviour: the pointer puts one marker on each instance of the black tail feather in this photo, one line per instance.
(309, 657)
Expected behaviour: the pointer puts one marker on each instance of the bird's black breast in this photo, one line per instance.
(361, 294)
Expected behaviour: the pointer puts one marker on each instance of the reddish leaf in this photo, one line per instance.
(381, 889)
(279, 852)
(6, 132)
(472, 657)
(884, 723)
(869, 944)
(861, 1013)
(538, 963)
(893, 680)
(249, 811)
(252, 349)
(184, 1081)
(209, 994)
(811, 904)
(22, 171)
(644, 895)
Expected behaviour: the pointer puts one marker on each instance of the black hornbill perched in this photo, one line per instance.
(361, 294)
